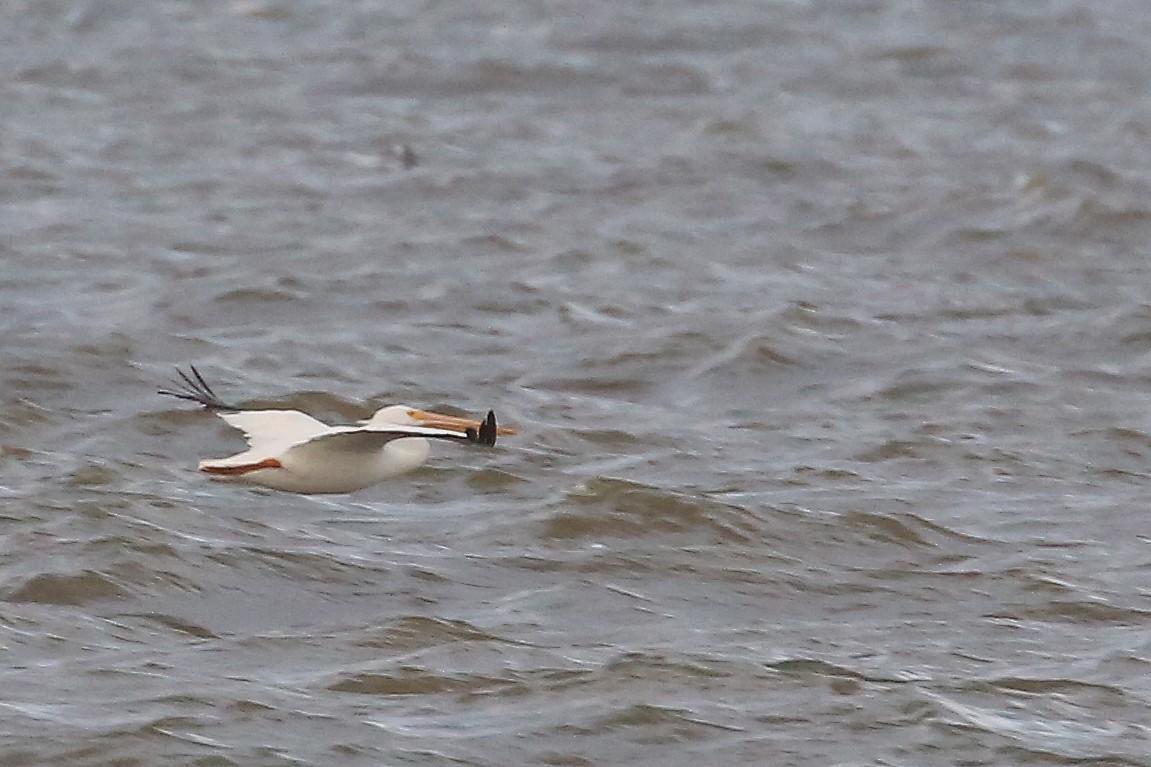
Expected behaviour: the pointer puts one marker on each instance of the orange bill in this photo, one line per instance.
(453, 423)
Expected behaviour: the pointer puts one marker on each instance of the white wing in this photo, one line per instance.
(263, 428)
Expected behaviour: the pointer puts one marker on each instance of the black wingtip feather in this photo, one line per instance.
(195, 389)
(487, 435)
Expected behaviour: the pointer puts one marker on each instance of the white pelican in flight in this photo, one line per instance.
(289, 450)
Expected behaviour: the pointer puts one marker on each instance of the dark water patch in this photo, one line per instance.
(18, 414)
(73, 589)
(412, 632)
(1075, 611)
(416, 681)
(655, 725)
(38, 377)
(285, 290)
(318, 562)
(688, 35)
(94, 475)
(598, 385)
(894, 449)
(821, 476)
(808, 667)
(918, 387)
(613, 508)
(1115, 221)
(621, 442)
(1133, 439)
(902, 528)
(176, 624)
(1070, 688)
(446, 79)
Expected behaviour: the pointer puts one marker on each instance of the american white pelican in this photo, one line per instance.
(290, 450)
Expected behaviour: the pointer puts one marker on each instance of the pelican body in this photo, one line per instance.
(292, 451)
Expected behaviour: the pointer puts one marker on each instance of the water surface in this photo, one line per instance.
(825, 326)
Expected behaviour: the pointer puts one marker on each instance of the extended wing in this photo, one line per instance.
(359, 439)
(291, 427)
(268, 427)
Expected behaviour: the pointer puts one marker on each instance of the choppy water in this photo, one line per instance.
(826, 326)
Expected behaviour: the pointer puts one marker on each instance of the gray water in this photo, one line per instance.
(826, 327)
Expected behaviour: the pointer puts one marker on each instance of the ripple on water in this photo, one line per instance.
(415, 631)
(829, 350)
(74, 588)
(419, 681)
(1044, 722)
(616, 508)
